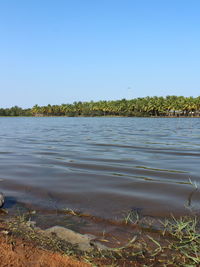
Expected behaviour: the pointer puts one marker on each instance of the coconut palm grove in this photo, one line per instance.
(174, 106)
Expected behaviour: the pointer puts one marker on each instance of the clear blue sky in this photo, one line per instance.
(60, 51)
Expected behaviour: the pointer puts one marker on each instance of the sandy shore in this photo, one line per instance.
(17, 252)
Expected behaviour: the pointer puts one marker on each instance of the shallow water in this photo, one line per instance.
(101, 166)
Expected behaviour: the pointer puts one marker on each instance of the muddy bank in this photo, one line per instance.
(22, 243)
(18, 252)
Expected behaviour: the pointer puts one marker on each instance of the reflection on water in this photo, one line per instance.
(101, 166)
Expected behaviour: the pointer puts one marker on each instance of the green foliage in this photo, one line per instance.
(15, 111)
(140, 107)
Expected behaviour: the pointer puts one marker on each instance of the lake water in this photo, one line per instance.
(101, 166)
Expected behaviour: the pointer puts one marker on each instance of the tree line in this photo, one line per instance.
(15, 111)
(141, 107)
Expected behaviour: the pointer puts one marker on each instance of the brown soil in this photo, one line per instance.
(15, 252)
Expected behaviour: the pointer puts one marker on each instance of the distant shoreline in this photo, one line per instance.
(108, 116)
(169, 106)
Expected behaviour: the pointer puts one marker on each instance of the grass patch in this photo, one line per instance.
(185, 239)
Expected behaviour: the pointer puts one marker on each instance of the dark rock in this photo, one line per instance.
(1, 200)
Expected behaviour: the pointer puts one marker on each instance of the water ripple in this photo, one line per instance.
(101, 165)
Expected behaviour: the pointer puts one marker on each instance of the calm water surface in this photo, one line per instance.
(101, 166)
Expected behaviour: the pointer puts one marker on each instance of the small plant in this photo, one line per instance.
(132, 217)
(193, 183)
(189, 200)
(72, 212)
(185, 238)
